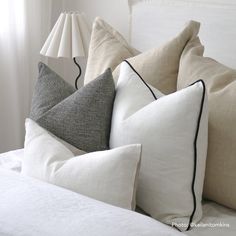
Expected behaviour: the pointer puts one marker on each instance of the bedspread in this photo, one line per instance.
(29, 207)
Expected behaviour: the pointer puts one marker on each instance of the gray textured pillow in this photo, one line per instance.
(50, 89)
(80, 117)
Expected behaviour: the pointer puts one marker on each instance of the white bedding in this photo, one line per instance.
(215, 214)
(79, 212)
(29, 207)
(12, 160)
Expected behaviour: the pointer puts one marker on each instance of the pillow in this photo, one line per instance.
(50, 89)
(221, 86)
(80, 117)
(107, 49)
(173, 132)
(159, 66)
(108, 176)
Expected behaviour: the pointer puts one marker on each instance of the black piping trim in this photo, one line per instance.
(195, 152)
(194, 143)
(153, 94)
(177, 228)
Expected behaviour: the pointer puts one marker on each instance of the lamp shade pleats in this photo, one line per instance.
(69, 37)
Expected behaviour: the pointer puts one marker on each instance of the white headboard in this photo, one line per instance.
(155, 21)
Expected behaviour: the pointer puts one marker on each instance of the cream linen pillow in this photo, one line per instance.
(173, 132)
(220, 179)
(107, 49)
(109, 176)
(158, 66)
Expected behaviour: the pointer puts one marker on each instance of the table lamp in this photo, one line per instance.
(69, 38)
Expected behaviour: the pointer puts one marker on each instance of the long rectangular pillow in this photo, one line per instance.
(109, 176)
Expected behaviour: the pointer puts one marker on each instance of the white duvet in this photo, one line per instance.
(12, 160)
(29, 207)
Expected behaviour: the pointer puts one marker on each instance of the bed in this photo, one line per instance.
(32, 207)
(72, 208)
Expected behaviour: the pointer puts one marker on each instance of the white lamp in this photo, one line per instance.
(69, 38)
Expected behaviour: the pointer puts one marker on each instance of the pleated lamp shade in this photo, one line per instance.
(69, 37)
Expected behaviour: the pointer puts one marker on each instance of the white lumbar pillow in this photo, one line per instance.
(109, 176)
(173, 132)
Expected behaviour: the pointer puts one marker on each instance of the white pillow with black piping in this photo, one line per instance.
(173, 131)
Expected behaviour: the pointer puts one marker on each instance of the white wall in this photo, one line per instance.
(115, 12)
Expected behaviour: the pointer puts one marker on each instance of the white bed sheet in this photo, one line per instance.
(12, 160)
(212, 212)
(215, 214)
(29, 207)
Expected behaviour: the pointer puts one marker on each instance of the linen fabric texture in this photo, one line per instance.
(109, 176)
(220, 83)
(158, 66)
(173, 132)
(80, 117)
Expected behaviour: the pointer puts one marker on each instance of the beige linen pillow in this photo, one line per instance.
(158, 66)
(107, 48)
(220, 82)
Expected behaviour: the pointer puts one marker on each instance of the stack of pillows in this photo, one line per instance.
(128, 131)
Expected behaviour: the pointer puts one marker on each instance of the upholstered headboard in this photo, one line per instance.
(152, 22)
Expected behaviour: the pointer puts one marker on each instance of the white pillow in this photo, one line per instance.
(108, 176)
(173, 132)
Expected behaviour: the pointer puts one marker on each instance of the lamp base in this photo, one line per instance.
(80, 72)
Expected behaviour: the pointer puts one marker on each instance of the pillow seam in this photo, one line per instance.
(195, 152)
